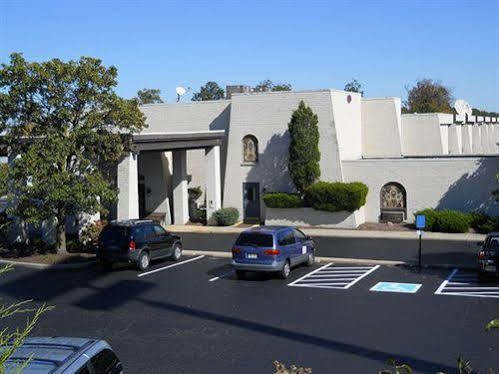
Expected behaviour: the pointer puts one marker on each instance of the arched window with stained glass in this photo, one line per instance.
(250, 149)
(393, 202)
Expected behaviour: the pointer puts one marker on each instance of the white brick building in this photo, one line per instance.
(425, 160)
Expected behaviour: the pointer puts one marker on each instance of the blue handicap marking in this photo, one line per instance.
(396, 287)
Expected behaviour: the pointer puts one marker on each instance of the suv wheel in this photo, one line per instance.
(286, 269)
(143, 261)
(177, 252)
(240, 274)
(106, 265)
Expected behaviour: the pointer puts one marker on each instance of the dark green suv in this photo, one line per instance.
(138, 242)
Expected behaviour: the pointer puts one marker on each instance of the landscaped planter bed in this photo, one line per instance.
(312, 217)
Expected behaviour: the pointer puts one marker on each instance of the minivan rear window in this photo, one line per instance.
(255, 240)
(114, 232)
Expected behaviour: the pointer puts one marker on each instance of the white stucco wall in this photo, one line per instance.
(194, 116)
(266, 116)
(462, 183)
(467, 136)
(381, 127)
(421, 135)
(454, 140)
(312, 217)
(347, 120)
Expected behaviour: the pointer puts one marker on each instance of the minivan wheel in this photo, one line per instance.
(143, 262)
(311, 259)
(177, 252)
(286, 269)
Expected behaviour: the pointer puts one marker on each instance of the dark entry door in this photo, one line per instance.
(251, 202)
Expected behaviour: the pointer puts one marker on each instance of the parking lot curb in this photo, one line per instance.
(191, 252)
(339, 260)
(38, 266)
(339, 233)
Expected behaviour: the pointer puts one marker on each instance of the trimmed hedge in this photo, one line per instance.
(454, 221)
(336, 196)
(225, 217)
(484, 224)
(282, 200)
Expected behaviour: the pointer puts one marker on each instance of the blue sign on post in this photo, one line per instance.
(420, 222)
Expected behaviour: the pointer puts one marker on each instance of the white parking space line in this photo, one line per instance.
(335, 277)
(170, 266)
(222, 276)
(467, 284)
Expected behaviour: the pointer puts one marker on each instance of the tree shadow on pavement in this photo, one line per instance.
(419, 365)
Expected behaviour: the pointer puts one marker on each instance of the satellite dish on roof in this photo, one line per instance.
(462, 107)
(181, 91)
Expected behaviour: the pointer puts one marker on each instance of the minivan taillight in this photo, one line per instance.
(272, 252)
(481, 255)
(236, 250)
(131, 245)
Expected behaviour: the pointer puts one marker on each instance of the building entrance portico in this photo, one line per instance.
(162, 157)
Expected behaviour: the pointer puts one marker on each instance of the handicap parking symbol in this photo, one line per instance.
(396, 287)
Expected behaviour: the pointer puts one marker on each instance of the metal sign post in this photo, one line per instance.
(420, 225)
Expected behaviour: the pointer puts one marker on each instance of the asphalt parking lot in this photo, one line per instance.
(196, 317)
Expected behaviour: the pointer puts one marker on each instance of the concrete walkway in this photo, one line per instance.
(409, 235)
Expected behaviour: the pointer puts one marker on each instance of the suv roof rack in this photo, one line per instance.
(131, 222)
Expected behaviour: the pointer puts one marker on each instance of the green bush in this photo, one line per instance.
(455, 221)
(225, 217)
(91, 232)
(452, 221)
(195, 192)
(446, 220)
(282, 200)
(482, 223)
(336, 196)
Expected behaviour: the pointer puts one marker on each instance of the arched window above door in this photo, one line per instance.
(250, 149)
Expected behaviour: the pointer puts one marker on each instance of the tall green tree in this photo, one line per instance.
(210, 91)
(149, 96)
(429, 96)
(354, 86)
(304, 154)
(66, 123)
(267, 85)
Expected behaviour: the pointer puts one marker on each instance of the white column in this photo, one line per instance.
(128, 186)
(476, 146)
(454, 141)
(484, 138)
(180, 197)
(213, 180)
(467, 139)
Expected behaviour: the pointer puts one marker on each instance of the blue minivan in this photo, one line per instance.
(272, 249)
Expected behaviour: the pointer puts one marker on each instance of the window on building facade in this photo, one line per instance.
(393, 202)
(250, 149)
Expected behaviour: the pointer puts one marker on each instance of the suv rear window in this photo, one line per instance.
(255, 240)
(493, 243)
(114, 232)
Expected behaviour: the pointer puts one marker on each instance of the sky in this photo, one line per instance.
(386, 45)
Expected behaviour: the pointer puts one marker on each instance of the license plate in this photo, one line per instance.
(491, 268)
(251, 255)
